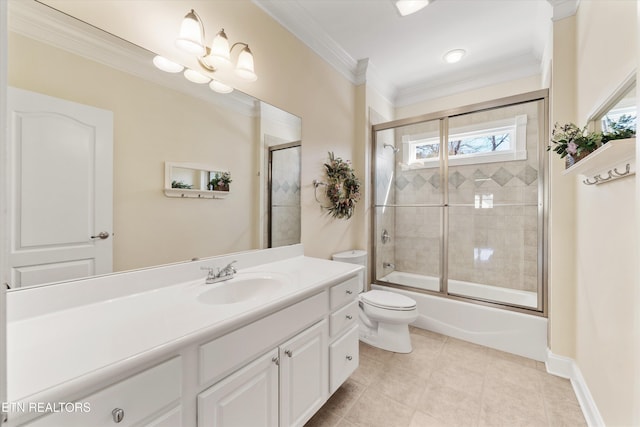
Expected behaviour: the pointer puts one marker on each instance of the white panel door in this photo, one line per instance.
(248, 397)
(304, 383)
(60, 189)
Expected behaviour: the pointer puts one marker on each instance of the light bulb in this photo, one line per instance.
(244, 67)
(190, 38)
(219, 54)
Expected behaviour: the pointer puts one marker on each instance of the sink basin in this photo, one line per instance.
(243, 287)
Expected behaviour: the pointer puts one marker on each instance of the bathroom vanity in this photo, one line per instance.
(159, 347)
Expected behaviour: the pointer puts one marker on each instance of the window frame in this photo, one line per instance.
(516, 126)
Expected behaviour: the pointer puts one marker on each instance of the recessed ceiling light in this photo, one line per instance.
(454, 55)
(407, 7)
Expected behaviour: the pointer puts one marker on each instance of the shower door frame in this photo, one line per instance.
(542, 201)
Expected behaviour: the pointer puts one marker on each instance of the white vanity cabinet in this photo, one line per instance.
(344, 339)
(271, 362)
(285, 386)
(149, 398)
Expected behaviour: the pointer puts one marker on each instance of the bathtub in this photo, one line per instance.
(468, 289)
(514, 332)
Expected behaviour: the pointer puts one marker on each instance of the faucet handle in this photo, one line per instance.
(209, 269)
(230, 266)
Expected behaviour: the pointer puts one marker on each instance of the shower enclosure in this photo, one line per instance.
(283, 225)
(460, 203)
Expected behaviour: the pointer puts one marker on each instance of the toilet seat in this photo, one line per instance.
(388, 300)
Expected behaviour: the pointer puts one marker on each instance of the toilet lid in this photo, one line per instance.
(388, 300)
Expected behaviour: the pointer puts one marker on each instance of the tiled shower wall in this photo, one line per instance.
(495, 246)
(285, 193)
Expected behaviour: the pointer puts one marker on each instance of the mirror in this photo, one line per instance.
(619, 111)
(158, 118)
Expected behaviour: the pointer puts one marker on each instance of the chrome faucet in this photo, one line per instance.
(221, 275)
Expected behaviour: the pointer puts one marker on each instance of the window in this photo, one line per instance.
(620, 108)
(496, 141)
(623, 112)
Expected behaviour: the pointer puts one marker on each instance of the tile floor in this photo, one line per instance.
(448, 382)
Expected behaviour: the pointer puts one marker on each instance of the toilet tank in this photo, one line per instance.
(355, 256)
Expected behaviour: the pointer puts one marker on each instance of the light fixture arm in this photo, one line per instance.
(239, 44)
(203, 61)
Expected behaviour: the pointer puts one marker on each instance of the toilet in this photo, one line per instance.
(384, 316)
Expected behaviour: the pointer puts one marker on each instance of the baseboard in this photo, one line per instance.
(567, 368)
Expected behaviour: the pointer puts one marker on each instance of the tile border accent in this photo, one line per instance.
(566, 367)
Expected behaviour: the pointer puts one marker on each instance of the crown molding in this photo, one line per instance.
(298, 22)
(563, 8)
(49, 26)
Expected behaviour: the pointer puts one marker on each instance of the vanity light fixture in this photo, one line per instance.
(191, 39)
(454, 56)
(407, 7)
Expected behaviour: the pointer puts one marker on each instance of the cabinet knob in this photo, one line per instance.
(349, 358)
(118, 415)
(349, 292)
(349, 317)
(288, 353)
(276, 360)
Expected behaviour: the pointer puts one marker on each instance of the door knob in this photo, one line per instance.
(102, 235)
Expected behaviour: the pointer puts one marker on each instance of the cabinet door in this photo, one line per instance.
(343, 358)
(303, 375)
(248, 397)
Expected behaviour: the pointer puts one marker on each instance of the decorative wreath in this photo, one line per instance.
(343, 187)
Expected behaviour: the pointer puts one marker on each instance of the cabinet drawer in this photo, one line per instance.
(249, 341)
(343, 358)
(343, 318)
(139, 397)
(345, 292)
(172, 418)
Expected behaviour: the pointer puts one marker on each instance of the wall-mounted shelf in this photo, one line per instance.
(195, 194)
(614, 160)
(195, 176)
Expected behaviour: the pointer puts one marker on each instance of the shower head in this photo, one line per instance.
(395, 150)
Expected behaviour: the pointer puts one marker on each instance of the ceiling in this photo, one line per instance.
(402, 57)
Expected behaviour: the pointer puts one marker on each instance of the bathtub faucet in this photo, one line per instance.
(388, 265)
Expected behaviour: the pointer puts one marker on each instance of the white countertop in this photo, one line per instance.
(93, 342)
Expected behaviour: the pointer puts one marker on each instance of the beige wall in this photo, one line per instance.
(606, 254)
(561, 273)
(152, 125)
(291, 77)
(488, 93)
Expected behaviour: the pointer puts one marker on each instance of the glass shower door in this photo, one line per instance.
(494, 204)
(408, 207)
(284, 195)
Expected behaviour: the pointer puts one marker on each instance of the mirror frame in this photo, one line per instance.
(610, 101)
